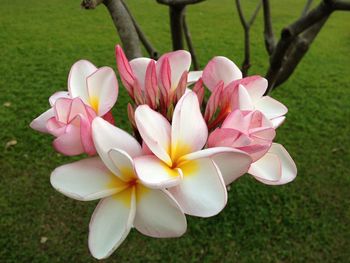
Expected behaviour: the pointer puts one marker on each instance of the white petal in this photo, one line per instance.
(155, 131)
(255, 85)
(244, 100)
(270, 107)
(156, 174)
(124, 163)
(85, 180)
(193, 76)
(106, 137)
(39, 123)
(77, 85)
(202, 191)
(289, 169)
(139, 67)
(103, 90)
(276, 122)
(158, 214)
(267, 168)
(232, 164)
(189, 131)
(111, 223)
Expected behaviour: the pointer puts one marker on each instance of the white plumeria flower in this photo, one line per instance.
(178, 162)
(125, 201)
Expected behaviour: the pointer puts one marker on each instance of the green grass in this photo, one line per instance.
(305, 221)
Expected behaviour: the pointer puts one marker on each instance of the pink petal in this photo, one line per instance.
(70, 142)
(255, 85)
(39, 123)
(220, 69)
(179, 62)
(139, 67)
(126, 74)
(57, 95)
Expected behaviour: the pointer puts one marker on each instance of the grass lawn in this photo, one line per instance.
(305, 221)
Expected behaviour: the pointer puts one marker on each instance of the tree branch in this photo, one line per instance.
(289, 34)
(144, 40)
(179, 2)
(189, 42)
(176, 13)
(298, 50)
(269, 37)
(90, 4)
(306, 7)
(246, 28)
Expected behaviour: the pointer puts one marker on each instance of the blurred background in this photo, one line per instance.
(305, 221)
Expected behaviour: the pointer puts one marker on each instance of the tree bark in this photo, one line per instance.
(176, 13)
(125, 28)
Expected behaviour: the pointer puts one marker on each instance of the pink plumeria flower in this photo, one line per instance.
(249, 131)
(152, 82)
(178, 161)
(253, 133)
(125, 201)
(248, 93)
(91, 92)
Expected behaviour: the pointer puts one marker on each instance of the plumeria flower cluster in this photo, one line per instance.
(184, 151)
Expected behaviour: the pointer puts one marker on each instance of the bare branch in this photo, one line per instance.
(125, 28)
(176, 13)
(341, 5)
(306, 7)
(298, 50)
(270, 42)
(246, 28)
(144, 40)
(189, 43)
(254, 15)
(289, 34)
(179, 2)
(90, 4)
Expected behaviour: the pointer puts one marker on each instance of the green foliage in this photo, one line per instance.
(305, 221)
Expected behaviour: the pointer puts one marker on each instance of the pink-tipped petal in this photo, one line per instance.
(111, 223)
(220, 69)
(85, 180)
(151, 85)
(202, 191)
(158, 214)
(126, 74)
(155, 131)
(39, 123)
(106, 137)
(270, 107)
(77, 79)
(244, 100)
(255, 85)
(189, 131)
(156, 174)
(179, 62)
(57, 95)
(103, 90)
(139, 67)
